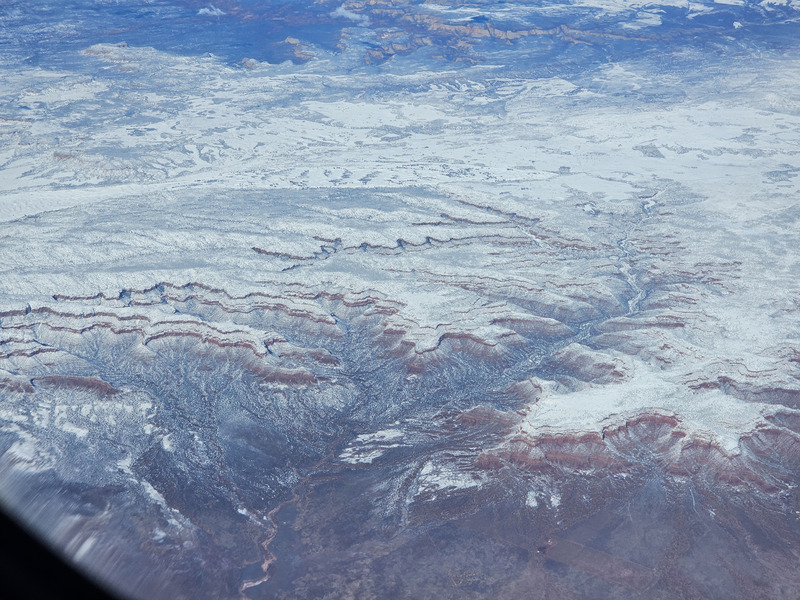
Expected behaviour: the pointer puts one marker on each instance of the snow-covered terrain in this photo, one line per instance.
(455, 291)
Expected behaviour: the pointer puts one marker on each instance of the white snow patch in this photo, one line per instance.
(434, 477)
(124, 464)
(24, 453)
(346, 14)
(360, 456)
(644, 19)
(707, 413)
(211, 11)
(79, 432)
(369, 446)
(154, 494)
(84, 549)
(68, 90)
(380, 436)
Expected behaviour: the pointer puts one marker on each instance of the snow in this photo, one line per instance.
(361, 456)
(367, 447)
(79, 432)
(476, 203)
(710, 414)
(124, 464)
(211, 11)
(380, 436)
(154, 494)
(342, 12)
(84, 549)
(441, 476)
